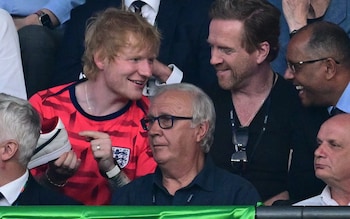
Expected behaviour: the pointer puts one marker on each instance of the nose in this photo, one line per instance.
(215, 57)
(289, 74)
(145, 68)
(319, 152)
(154, 129)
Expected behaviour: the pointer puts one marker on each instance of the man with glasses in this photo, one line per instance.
(180, 125)
(260, 127)
(318, 58)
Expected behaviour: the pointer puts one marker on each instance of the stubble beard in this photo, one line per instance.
(231, 83)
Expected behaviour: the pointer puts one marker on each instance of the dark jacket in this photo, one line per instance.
(36, 194)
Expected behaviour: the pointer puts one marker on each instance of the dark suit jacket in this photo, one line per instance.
(35, 194)
(184, 39)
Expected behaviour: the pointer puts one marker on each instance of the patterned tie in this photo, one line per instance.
(137, 6)
(336, 111)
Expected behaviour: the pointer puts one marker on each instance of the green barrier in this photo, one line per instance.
(109, 212)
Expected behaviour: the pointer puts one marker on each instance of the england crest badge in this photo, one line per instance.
(121, 155)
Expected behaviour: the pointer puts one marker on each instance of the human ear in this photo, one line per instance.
(262, 52)
(331, 68)
(203, 128)
(100, 60)
(8, 150)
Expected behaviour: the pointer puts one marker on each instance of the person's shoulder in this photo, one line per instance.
(283, 83)
(313, 201)
(53, 91)
(237, 186)
(5, 17)
(36, 194)
(143, 104)
(204, 4)
(133, 189)
(143, 181)
(233, 179)
(93, 7)
(285, 91)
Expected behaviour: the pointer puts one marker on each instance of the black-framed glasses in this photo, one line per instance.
(295, 66)
(164, 121)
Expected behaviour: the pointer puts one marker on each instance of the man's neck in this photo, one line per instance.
(249, 100)
(9, 174)
(178, 175)
(97, 100)
(258, 84)
(340, 195)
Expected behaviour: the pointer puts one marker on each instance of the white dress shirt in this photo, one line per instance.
(148, 11)
(324, 199)
(11, 71)
(12, 190)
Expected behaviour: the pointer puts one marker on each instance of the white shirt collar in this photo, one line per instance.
(12, 190)
(149, 11)
(154, 4)
(326, 197)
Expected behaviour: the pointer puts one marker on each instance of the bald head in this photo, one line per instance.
(336, 129)
(341, 120)
(332, 157)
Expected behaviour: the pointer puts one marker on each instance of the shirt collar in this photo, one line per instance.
(154, 4)
(12, 190)
(205, 178)
(344, 100)
(326, 197)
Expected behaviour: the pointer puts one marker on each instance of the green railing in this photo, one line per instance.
(140, 212)
(173, 212)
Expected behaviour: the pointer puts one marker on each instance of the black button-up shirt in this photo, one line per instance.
(212, 186)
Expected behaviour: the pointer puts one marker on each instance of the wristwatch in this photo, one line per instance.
(291, 34)
(44, 19)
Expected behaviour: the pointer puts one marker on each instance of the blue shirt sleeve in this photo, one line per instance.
(61, 8)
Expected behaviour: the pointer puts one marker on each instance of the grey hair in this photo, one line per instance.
(21, 122)
(202, 109)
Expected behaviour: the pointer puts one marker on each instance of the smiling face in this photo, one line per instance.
(127, 74)
(332, 157)
(232, 62)
(309, 78)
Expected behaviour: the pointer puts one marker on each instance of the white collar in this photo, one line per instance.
(12, 190)
(154, 4)
(327, 197)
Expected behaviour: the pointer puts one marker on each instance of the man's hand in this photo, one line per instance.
(281, 196)
(29, 20)
(296, 13)
(101, 147)
(33, 19)
(61, 169)
(161, 71)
